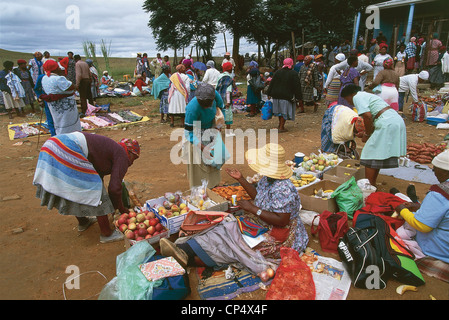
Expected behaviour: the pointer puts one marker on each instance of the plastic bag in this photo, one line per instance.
(293, 280)
(349, 197)
(267, 110)
(219, 153)
(130, 283)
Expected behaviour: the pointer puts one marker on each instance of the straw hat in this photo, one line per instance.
(269, 161)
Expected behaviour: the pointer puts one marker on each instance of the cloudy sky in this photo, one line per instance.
(55, 26)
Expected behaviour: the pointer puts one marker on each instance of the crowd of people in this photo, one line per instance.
(201, 95)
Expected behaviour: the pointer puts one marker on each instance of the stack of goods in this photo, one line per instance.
(198, 197)
(28, 129)
(103, 120)
(228, 191)
(319, 163)
(424, 153)
(303, 180)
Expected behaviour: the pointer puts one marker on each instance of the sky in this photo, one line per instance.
(62, 26)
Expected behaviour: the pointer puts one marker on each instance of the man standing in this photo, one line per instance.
(83, 83)
(36, 66)
(71, 72)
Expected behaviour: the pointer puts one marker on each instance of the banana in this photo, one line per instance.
(307, 176)
(404, 288)
(432, 297)
(329, 191)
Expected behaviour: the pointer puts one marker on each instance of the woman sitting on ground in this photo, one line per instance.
(275, 205)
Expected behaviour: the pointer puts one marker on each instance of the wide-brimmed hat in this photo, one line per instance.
(269, 161)
(442, 160)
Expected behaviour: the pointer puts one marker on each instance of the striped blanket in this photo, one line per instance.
(63, 170)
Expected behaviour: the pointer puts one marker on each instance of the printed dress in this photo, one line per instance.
(280, 196)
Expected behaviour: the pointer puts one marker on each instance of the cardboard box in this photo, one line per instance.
(309, 202)
(173, 223)
(152, 240)
(221, 204)
(341, 174)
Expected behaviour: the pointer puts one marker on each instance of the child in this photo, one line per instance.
(400, 61)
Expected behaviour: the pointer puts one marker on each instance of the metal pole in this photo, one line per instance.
(409, 23)
(356, 29)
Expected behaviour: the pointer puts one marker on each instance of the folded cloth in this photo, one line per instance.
(250, 229)
(163, 268)
(63, 170)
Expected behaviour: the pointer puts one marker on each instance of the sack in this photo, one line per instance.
(197, 221)
(419, 112)
(256, 84)
(372, 242)
(349, 197)
(293, 280)
(172, 288)
(219, 119)
(267, 110)
(331, 228)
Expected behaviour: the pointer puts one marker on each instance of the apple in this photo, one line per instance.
(176, 213)
(132, 220)
(148, 236)
(150, 215)
(132, 214)
(168, 214)
(159, 227)
(140, 238)
(182, 206)
(321, 162)
(156, 233)
(124, 215)
(184, 211)
(166, 204)
(116, 223)
(151, 229)
(153, 222)
(321, 168)
(147, 222)
(142, 232)
(129, 234)
(163, 212)
(123, 228)
(141, 226)
(140, 217)
(122, 220)
(174, 208)
(132, 226)
(306, 158)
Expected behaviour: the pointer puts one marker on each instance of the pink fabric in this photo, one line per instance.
(288, 63)
(407, 234)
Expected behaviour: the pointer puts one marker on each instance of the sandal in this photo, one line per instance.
(84, 227)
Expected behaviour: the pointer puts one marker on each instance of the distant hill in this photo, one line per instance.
(118, 66)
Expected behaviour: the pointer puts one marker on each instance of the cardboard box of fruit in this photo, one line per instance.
(140, 226)
(317, 197)
(170, 211)
(318, 164)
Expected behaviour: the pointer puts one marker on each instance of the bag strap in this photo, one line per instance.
(314, 230)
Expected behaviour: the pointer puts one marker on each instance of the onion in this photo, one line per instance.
(264, 276)
(270, 273)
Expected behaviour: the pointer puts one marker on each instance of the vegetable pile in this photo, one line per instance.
(424, 153)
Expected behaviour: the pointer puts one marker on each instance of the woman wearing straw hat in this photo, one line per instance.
(276, 205)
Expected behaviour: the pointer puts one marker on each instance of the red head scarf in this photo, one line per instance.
(388, 63)
(288, 63)
(227, 66)
(130, 146)
(383, 45)
(50, 66)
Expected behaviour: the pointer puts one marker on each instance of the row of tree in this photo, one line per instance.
(271, 24)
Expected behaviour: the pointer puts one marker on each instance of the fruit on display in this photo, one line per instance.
(302, 180)
(323, 194)
(149, 227)
(319, 163)
(172, 205)
(424, 153)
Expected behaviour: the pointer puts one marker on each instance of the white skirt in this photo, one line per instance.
(177, 103)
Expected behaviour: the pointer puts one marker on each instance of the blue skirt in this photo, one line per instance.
(252, 97)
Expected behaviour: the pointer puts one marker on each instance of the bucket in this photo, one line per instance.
(299, 158)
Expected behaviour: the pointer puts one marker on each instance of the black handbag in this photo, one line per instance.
(365, 265)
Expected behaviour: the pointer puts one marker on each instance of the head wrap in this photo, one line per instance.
(300, 58)
(359, 126)
(288, 63)
(354, 52)
(383, 45)
(442, 160)
(308, 59)
(205, 91)
(89, 62)
(340, 57)
(187, 63)
(227, 66)
(253, 64)
(130, 146)
(388, 64)
(317, 57)
(412, 39)
(49, 66)
(210, 63)
(227, 54)
(20, 61)
(181, 68)
(424, 75)
(105, 71)
(165, 68)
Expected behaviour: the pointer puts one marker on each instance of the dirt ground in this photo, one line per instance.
(35, 263)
